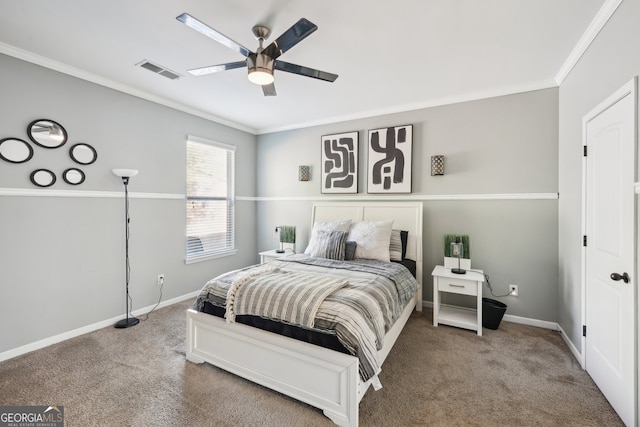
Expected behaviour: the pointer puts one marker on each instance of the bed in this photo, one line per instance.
(333, 381)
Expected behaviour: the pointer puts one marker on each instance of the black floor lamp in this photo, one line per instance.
(125, 174)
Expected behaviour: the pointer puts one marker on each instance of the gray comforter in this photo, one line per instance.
(358, 313)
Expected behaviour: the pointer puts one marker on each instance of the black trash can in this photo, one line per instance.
(492, 312)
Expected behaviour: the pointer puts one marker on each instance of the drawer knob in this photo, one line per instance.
(456, 286)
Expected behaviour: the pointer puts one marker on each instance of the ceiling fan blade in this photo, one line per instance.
(269, 90)
(305, 71)
(294, 35)
(203, 28)
(216, 68)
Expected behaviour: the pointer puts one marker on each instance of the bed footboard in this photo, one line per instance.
(323, 378)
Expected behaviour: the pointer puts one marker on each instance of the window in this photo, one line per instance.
(210, 199)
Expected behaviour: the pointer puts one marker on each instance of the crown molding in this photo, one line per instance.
(111, 84)
(597, 24)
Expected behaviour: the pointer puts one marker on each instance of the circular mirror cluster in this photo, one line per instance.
(48, 134)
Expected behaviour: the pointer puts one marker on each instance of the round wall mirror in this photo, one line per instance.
(73, 176)
(47, 133)
(83, 154)
(14, 150)
(43, 178)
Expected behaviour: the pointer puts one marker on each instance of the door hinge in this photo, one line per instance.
(584, 150)
(584, 330)
(584, 240)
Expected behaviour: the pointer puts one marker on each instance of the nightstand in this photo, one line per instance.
(267, 256)
(464, 284)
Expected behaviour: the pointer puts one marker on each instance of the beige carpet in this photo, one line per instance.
(514, 376)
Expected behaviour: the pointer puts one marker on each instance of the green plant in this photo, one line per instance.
(287, 234)
(466, 250)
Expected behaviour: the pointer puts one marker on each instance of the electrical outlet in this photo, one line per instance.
(160, 279)
(513, 290)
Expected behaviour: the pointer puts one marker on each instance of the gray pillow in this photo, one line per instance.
(350, 250)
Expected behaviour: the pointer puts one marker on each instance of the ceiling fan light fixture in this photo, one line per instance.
(261, 76)
(260, 69)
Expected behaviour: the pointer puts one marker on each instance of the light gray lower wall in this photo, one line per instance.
(494, 146)
(610, 62)
(62, 258)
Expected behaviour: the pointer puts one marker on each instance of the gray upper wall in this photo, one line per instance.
(610, 62)
(62, 258)
(507, 144)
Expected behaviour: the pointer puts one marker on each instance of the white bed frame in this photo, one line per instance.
(323, 378)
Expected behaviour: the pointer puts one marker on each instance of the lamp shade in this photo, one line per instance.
(125, 173)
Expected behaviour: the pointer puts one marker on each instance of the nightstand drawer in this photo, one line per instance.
(457, 286)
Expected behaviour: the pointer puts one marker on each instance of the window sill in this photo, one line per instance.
(210, 257)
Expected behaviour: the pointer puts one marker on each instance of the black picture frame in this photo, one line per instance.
(339, 163)
(389, 159)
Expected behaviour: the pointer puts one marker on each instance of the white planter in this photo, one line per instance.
(451, 262)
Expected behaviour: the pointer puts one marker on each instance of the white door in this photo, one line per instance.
(610, 251)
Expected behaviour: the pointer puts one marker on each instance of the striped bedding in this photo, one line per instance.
(366, 299)
(279, 294)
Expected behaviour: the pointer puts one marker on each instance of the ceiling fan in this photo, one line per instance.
(263, 61)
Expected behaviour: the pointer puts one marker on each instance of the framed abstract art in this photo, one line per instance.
(389, 160)
(340, 163)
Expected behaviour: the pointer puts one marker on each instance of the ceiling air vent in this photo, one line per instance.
(159, 70)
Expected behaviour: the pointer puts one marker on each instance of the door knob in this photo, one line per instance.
(617, 277)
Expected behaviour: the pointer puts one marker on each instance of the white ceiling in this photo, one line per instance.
(390, 56)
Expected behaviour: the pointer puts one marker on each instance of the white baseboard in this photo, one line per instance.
(10, 354)
(531, 322)
(579, 357)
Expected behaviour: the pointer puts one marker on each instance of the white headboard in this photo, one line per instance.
(405, 215)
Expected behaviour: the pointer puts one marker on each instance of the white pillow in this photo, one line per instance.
(372, 239)
(341, 225)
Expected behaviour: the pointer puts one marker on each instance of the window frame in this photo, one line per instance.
(229, 248)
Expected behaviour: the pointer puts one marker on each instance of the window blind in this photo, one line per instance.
(210, 198)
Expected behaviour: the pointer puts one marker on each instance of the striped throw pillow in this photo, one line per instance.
(330, 244)
(395, 247)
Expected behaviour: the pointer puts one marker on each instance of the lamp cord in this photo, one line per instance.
(486, 279)
(146, 316)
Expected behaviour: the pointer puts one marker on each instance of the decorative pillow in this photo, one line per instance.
(342, 225)
(404, 236)
(395, 246)
(372, 238)
(350, 250)
(330, 244)
(398, 245)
